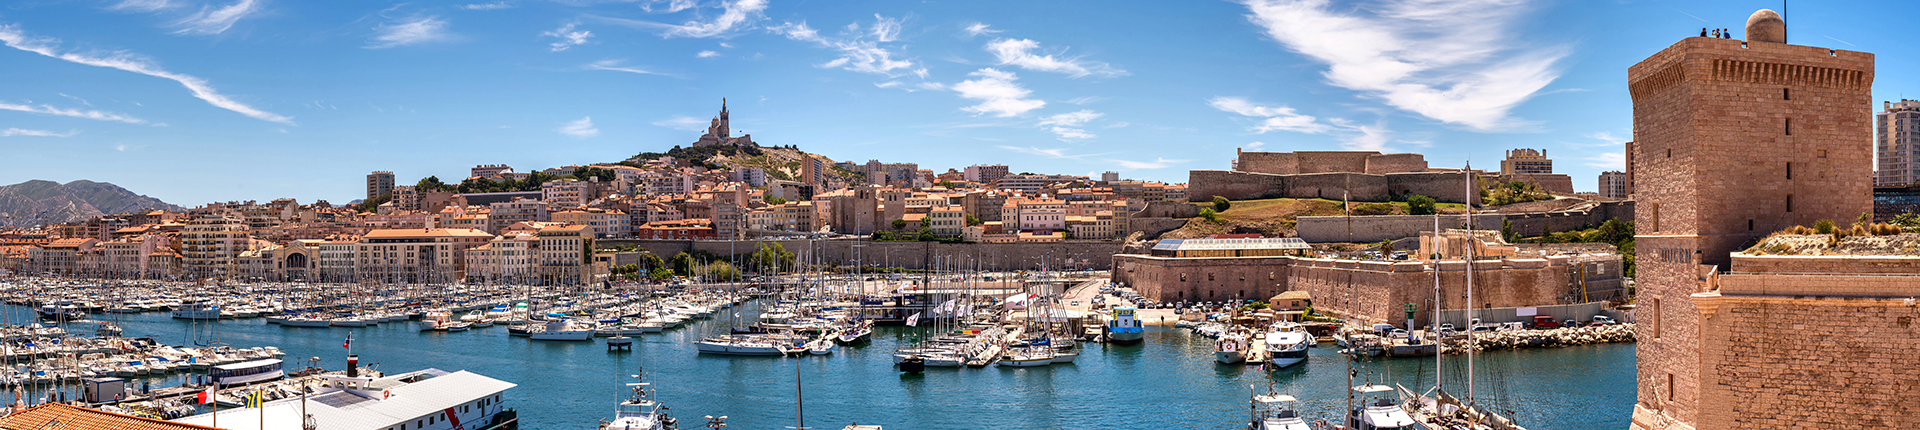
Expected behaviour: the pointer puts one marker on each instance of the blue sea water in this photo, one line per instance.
(1170, 381)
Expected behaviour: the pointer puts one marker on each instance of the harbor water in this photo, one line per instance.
(1169, 381)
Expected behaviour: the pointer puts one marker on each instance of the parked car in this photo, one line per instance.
(1603, 319)
(1544, 322)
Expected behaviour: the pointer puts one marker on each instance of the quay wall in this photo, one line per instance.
(1372, 291)
(1075, 255)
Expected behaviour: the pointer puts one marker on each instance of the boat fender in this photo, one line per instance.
(386, 394)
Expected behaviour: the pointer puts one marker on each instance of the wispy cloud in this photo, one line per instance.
(76, 113)
(860, 49)
(1364, 137)
(486, 6)
(1253, 146)
(10, 132)
(734, 15)
(1050, 153)
(17, 39)
(997, 93)
(215, 21)
(979, 28)
(683, 123)
(143, 5)
(1450, 60)
(1022, 53)
(568, 37)
(1272, 118)
(581, 128)
(412, 30)
(1068, 125)
(672, 5)
(707, 54)
(129, 148)
(1609, 160)
(615, 66)
(1605, 138)
(1157, 163)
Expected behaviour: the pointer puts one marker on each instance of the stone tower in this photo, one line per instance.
(1733, 140)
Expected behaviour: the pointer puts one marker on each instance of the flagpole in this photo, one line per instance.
(213, 397)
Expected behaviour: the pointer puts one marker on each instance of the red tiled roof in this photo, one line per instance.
(65, 417)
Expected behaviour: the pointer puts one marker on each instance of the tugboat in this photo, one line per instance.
(1123, 328)
(640, 412)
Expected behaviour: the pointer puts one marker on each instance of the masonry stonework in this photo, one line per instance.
(1733, 140)
(1445, 187)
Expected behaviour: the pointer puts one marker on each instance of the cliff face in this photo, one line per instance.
(40, 202)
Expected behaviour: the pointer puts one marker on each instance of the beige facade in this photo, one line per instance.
(211, 244)
(1526, 162)
(1733, 140)
(379, 183)
(1897, 141)
(416, 256)
(563, 252)
(947, 221)
(505, 259)
(1613, 185)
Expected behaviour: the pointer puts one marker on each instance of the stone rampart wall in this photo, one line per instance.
(1396, 163)
(1391, 227)
(1277, 163)
(1446, 187)
(1333, 161)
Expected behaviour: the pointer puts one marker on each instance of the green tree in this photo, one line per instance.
(973, 220)
(431, 184)
(946, 183)
(720, 270)
(682, 264)
(1506, 231)
(926, 223)
(899, 224)
(651, 261)
(660, 274)
(374, 205)
(1823, 226)
(771, 256)
(1221, 204)
(1420, 205)
(775, 200)
(926, 235)
(1209, 215)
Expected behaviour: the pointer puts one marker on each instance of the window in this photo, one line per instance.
(1656, 318)
(1669, 152)
(1669, 387)
(1789, 170)
(1786, 94)
(1183, 277)
(1749, 225)
(1209, 276)
(1789, 126)
(1789, 203)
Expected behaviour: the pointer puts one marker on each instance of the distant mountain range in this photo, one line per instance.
(40, 202)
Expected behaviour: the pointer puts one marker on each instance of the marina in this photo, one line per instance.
(1170, 376)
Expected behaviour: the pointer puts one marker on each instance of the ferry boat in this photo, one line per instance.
(640, 412)
(1123, 327)
(1287, 344)
(62, 311)
(1230, 349)
(247, 372)
(197, 310)
(430, 399)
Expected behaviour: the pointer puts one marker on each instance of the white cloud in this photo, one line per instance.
(734, 14)
(1450, 60)
(1366, 138)
(143, 5)
(215, 21)
(17, 39)
(76, 113)
(1609, 160)
(683, 123)
(614, 65)
(410, 31)
(127, 148)
(707, 54)
(486, 6)
(1085, 99)
(979, 28)
(1121, 124)
(860, 51)
(1067, 125)
(997, 93)
(1050, 153)
(1255, 146)
(1157, 163)
(1272, 118)
(568, 37)
(672, 6)
(10, 132)
(1020, 52)
(580, 128)
(1608, 137)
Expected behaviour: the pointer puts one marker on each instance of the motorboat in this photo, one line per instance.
(640, 411)
(742, 345)
(1274, 411)
(563, 330)
(197, 310)
(434, 321)
(1377, 410)
(1230, 349)
(1028, 357)
(1287, 343)
(305, 321)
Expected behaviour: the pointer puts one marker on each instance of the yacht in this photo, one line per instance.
(429, 399)
(434, 321)
(742, 345)
(640, 412)
(1123, 328)
(562, 329)
(248, 372)
(197, 310)
(1287, 344)
(306, 321)
(1032, 356)
(1274, 411)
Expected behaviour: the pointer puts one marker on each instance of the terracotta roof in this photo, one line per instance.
(415, 232)
(64, 417)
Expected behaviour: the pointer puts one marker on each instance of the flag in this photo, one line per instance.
(254, 399)
(349, 342)
(913, 320)
(205, 397)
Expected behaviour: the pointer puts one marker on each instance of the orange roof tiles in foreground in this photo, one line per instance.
(65, 417)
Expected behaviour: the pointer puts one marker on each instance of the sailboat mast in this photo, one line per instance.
(1434, 325)
(1470, 308)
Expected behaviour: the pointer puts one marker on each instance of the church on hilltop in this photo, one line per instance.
(718, 132)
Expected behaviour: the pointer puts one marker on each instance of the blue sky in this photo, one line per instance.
(211, 100)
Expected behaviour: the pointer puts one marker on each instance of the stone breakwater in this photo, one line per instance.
(1551, 338)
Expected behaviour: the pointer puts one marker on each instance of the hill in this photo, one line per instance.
(39, 202)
